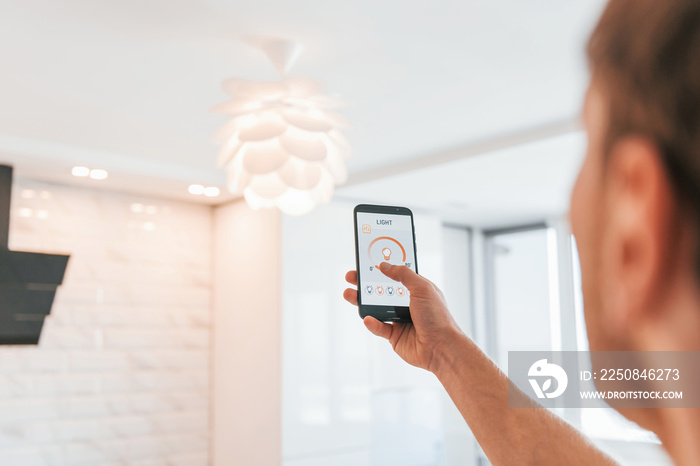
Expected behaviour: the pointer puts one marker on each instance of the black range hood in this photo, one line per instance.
(28, 280)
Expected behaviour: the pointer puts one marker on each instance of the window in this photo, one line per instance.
(520, 292)
(535, 303)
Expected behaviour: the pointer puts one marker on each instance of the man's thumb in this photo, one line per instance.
(400, 273)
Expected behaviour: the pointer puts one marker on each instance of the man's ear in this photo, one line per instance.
(637, 241)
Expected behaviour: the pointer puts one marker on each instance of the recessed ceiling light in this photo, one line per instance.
(196, 189)
(137, 208)
(80, 171)
(98, 174)
(211, 191)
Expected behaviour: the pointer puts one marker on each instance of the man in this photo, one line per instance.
(634, 213)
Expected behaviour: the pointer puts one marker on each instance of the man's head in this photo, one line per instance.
(635, 209)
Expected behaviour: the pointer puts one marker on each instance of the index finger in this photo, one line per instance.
(351, 277)
(401, 273)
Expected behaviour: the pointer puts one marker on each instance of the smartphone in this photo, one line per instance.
(383, 234)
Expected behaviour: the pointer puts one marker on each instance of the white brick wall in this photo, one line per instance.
(121, 374)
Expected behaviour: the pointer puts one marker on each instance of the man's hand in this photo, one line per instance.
(476, 385)
(424, 342)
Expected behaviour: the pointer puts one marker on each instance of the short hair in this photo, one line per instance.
(644, 56)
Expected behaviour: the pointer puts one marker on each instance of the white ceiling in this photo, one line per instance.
(515, 186)
(127, 84)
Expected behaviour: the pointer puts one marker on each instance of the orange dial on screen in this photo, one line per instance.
(386, 252)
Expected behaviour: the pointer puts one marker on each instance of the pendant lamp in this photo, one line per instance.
(283, 146)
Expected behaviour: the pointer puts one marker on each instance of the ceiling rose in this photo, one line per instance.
(282, 146)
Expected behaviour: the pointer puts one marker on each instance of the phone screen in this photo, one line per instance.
(383, 238)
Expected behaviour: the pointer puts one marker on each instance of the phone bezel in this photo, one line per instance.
(382, 313)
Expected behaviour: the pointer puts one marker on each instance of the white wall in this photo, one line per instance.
(121, 374)
(460, 444)
(326, 383)
(347, 398)
(247, 337)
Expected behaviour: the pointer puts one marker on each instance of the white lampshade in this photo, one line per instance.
(282, 147)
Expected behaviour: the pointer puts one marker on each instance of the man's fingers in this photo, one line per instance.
(351, 277)
(350, 295)
(401, 273)
(378, 328)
